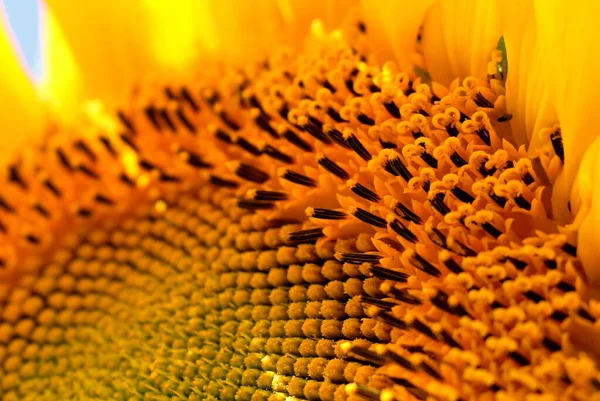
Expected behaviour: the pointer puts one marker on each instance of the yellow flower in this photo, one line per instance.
(287, 204)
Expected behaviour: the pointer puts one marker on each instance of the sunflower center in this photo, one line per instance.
(358, 234)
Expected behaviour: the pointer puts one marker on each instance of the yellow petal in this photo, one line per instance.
(61, 81)
(586, 199)
(21, 116)
(459, 37)
(393, 27)
(567, 36)
(526, 86)
(110, 42)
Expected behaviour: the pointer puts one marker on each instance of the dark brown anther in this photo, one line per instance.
(457, 160)
(403, 231)
(126, 121)
(407, 214)
(6, 206)
(223, 136)
(327, 214)
(306, 236)
(262, 121)
(392, 109)
(295, 140)
(32, 239)
(360, 258)
(251, 173)
(462, 195)
(222, 182)
(365, 192)
(264, 195)
(129, 142)
(52, 188)
(146, 165)
(89, 172)
(358, 147)
(164, 114)
(276, 154)
(185, 121)
(299, 179)
(453, 266)
(388, 274)
(423, 329)
(315, 128)
(519, 358)
(126, 180)
(364, 119)
(251, 204)
(420, 263)
(248, 146)
(338, 137)
(484, 135)
(15, 177)
(38, 207)
(228, 121)
(187, 96)
(194, 160)
(481, 101)
(152, 115)
(85, 213)
(333, 168)
(164, 177)
(392, 320)
(104, 200)
(557, 144)
(108, 146)
(438, 203)
(369, 218)
(395, 167)
(335, 116)
(491, 230)
(82, 146)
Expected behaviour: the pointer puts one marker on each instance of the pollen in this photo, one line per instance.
(315, 226)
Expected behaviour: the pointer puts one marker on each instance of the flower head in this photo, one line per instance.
(339, 220)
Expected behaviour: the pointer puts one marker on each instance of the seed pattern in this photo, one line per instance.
(314, 227)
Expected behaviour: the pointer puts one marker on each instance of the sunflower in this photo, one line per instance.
(282, 201)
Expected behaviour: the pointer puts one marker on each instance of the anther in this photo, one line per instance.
(125, 121)
(89, 172)
(438, 203)
(395, 167)
(196, 161)
(6, 206)
(128, 141)
(422, 264)
(306, 236)
(223, 136)
(107, 145)
(357, 146)
(228, 121)
(64, 160)
(392, 109)
(363, 191)
(383, 305)
(358, 258)
(277, 154)
(332, 167)
(295, 140)
(164, 114)
(248, 146)
(185, 121)
(251, 173)
(368, 217)
(38, 207)
(336, 136)
(222, 182)
(151, 114)
(264, 195)
(251, 204)
(82, 146)
(298, 178)
(406, 214)
(52, 188)
(325, 214)
(403, 231)
(187, 96)
(388, 274)
(404, 296)
(103, 200)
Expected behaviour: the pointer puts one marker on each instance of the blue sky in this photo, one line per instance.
(25, 23)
